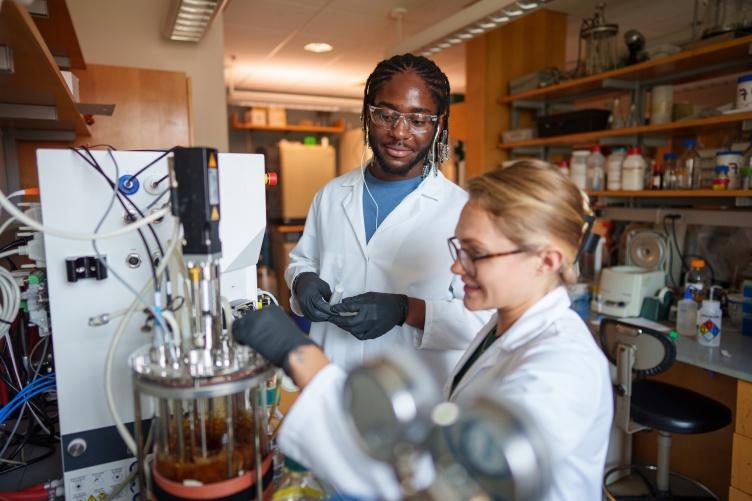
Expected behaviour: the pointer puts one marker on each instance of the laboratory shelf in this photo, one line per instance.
(34, 95)
(693, 126)
(315, 129)
(672, 194)
(706, 61)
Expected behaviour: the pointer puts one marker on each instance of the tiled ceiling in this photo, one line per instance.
(264, 42)
(264, 39)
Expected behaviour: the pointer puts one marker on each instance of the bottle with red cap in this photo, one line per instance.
(633, 170)
(564, 167)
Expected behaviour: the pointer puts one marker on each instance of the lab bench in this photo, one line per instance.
(721, 460)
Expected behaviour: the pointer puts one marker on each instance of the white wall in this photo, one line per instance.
(129, 33)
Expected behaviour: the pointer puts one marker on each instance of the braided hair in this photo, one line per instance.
(435, 79)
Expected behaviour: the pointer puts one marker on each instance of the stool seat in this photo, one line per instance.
(673, 409)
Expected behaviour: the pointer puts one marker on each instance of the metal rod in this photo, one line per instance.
(257, 445)
(164, 422)
(202, 417)
(192, 429)
(140, 455)
(230, 424)
(179, 429)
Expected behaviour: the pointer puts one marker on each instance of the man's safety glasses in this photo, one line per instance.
(388, 118)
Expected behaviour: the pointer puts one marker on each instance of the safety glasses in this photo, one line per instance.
(467, 261)
(387, 118)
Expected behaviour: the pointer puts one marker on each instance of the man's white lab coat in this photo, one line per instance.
(407, 254)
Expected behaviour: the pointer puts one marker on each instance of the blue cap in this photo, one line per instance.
(669, 156)
(688, 143)
(688, 293)
(721, 168)
(744, 78)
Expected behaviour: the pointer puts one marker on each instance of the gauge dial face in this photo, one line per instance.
(482, 447)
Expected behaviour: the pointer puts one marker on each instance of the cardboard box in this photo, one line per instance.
(256, 116)
(277, 116)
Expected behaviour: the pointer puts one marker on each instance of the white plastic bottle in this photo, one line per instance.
(578, 168)
(633, 171)
(613, 169)
(709, 321)
(686, 315)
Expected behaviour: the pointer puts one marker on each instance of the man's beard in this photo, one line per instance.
(398, 171)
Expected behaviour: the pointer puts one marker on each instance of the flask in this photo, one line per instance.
(688, 166)
(686, 315)
(595, 173)
(709, 321)
(298, 484)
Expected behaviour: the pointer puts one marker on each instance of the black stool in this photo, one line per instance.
(666, 408)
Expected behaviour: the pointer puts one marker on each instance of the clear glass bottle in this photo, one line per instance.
(697, 279)
(595, 169)
(669, 171)
(688, 167)
(298, 484)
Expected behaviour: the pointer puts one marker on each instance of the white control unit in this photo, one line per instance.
(74, 198)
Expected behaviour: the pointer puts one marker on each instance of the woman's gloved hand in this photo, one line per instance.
(313, 296)
(376, 314)
(272, 333)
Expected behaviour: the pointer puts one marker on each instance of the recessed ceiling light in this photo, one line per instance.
(475, 30)
(487, 25)
(318, 47)
(426, 53)
(527, 5)
(445, 45)
(513, 12)
(465, 36)
(499, 19)
(455, 40)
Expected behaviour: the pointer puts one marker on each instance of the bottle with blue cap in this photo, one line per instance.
(670, 181)
(686, 314)
(709, 321)
(688, 167)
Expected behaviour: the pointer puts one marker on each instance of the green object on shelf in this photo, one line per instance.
(673, 334)
(310, 140)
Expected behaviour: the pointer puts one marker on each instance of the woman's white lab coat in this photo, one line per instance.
(547, 362)
(407, 254)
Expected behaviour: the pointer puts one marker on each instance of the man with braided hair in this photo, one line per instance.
(375, 238)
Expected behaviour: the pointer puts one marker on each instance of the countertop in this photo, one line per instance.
(738, 365)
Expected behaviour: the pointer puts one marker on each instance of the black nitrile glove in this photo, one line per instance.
(376, 314)
(270, 332)
(313, 296)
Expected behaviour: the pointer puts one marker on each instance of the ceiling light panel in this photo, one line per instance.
(188, 20)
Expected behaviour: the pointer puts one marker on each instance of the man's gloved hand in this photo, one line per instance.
(272, 333)
(376, 314)
(313, 296)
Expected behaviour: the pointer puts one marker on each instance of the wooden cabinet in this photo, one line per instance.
(741, 467)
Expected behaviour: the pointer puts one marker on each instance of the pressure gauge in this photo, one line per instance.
(389, 402)
(501, 449)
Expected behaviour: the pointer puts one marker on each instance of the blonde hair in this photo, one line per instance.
(534, 205)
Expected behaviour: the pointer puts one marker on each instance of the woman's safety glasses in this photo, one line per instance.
(467, 261)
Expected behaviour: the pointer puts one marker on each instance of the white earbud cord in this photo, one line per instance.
(363, 174)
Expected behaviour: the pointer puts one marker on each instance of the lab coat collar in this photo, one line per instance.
(535, 320)
(431, 186)
(530, 325)
(352, 204)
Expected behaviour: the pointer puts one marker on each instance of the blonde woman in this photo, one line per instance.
(514, 248)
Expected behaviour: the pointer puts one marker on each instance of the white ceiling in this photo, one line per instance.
(264, 39)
